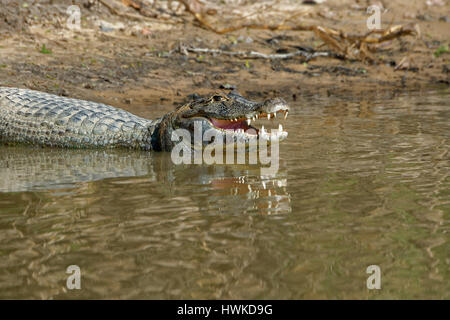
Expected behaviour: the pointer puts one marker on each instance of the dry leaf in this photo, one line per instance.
(131, 3)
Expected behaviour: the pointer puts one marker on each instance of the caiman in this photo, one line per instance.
(38, 118)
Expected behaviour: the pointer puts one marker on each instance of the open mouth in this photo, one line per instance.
(242, 125)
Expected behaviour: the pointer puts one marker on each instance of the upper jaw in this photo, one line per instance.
(269, 109)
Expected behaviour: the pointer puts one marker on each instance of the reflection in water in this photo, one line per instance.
(24, 169)
(29, 169)
(360, 183)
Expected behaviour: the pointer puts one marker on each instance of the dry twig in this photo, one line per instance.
(258, 55)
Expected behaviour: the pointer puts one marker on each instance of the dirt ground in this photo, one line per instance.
(133, 63)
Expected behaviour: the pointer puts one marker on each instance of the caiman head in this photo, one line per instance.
(228, 114)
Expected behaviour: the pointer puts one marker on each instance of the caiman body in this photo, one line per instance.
(37, 118)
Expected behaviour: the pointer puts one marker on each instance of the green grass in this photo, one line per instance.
(44, 50)
(442, 49)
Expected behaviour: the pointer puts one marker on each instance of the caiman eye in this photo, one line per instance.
(218, 98)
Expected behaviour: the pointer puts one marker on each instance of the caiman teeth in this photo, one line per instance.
(256, 116)
(241, 124)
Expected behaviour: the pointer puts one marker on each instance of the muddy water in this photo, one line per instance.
(361, 182)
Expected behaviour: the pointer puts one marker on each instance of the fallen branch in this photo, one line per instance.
(259, 55)
(358, 46)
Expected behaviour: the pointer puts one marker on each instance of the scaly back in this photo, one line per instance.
(38, 118)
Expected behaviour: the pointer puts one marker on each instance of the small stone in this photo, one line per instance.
(106, 29)
(424, 17)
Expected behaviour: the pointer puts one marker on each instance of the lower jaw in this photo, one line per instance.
(259, 134)
(232, 137)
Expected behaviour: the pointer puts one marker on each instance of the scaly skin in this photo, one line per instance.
(33, 117)
(37, 118)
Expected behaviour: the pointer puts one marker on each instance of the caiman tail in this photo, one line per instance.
(38, 118)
